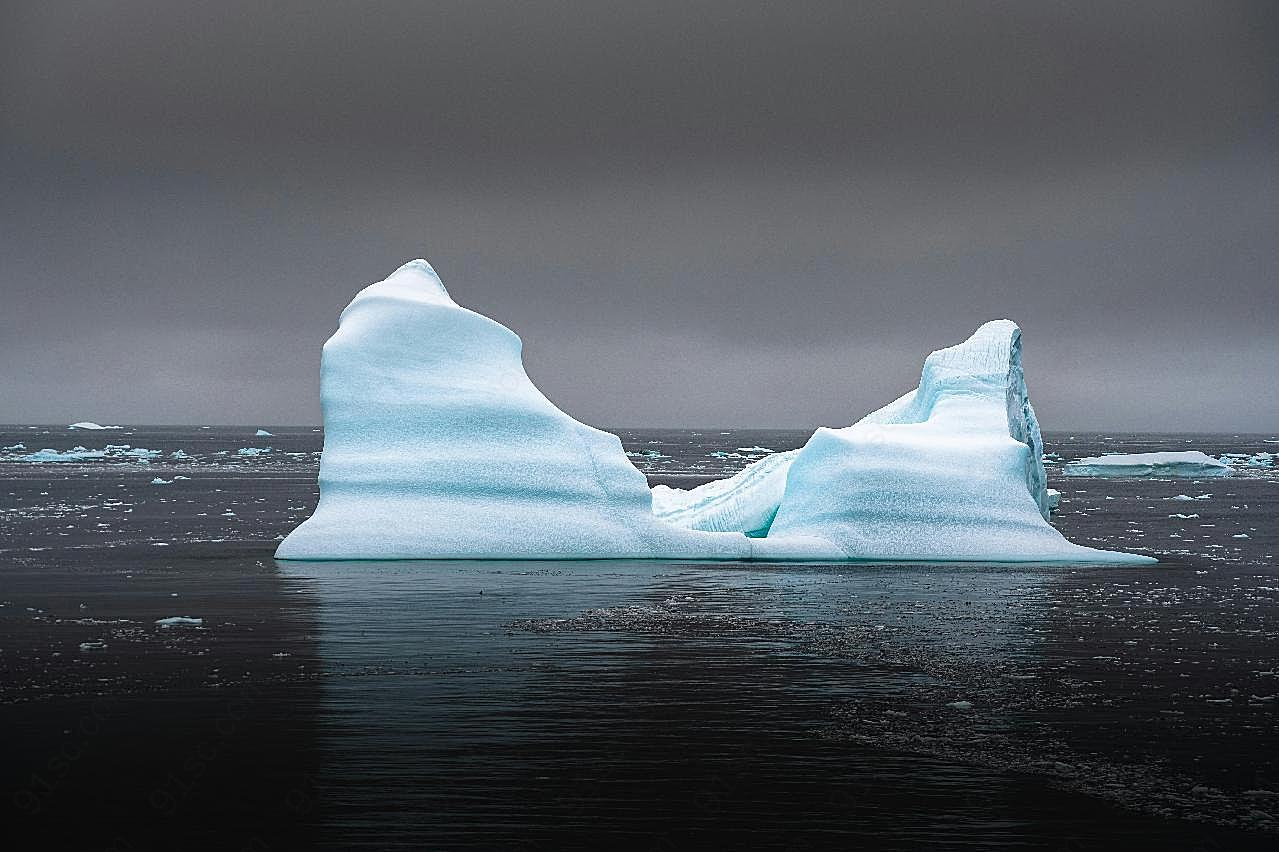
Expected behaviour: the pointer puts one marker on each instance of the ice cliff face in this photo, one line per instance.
(437, 445)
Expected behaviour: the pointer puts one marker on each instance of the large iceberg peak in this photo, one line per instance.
(416, 281)
(437, 445)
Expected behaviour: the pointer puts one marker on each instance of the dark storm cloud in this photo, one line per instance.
(708, 215)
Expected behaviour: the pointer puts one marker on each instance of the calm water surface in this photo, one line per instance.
(628, 704)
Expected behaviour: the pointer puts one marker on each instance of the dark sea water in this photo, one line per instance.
(653, 705)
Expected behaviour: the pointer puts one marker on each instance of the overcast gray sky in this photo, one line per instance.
(708, 213)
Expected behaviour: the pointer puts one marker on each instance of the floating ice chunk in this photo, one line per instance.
(159, 481)
(180, 621)
(437, 445)
(1054, 498)
(73, 454)
(1184, 516)
(78, 454)
(1191, 464)
(1249, 459)
(262, 433)
(87, 424)
(755, 450)
(18, 446)
(252, 451)
(93, 645)
(1187, 497)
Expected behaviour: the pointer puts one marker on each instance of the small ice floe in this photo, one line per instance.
(158, 481)
(1054, 498)
(1240, 535)
(1185, 497)
(1181, 515)
(252, 451)
(180, 621)
(960, 705)
(93, 645)
(755, 450)
(262, 433)
(17, 446)
(89, 424)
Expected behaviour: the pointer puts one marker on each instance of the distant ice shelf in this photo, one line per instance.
(1191, 464)
(438, 446)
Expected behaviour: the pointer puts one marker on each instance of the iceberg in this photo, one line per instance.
(86, 424)
(1191, 464)
(262, 433)
(438, 446)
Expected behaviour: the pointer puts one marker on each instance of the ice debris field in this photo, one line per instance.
(437, 445)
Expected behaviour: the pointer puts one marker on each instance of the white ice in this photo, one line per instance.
(87, 424)
(1249, 459)
(1191, 464)
(80, 454)
(262, 433)
(437, 445)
